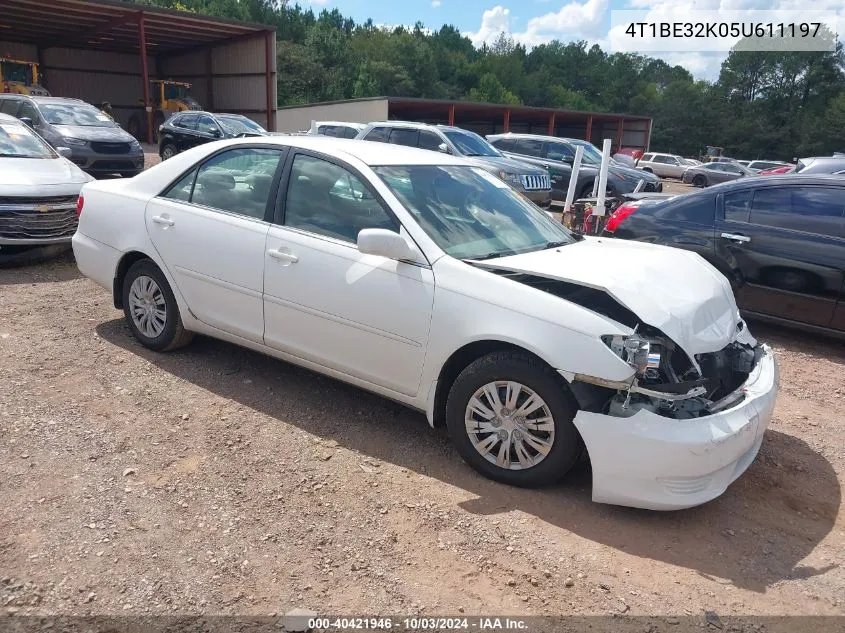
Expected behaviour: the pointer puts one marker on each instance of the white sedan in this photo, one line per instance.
(427, 280)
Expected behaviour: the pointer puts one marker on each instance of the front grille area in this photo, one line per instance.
(111, 148)
(536, 183)
(37, 218)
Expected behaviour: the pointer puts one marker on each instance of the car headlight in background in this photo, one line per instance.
(511, 179)
(636, 351)
(74, 142)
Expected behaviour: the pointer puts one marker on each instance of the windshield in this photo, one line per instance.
(471, 144)
(65, 114)
(13, 71)
(18, 141)
(239, 125)
(172, 91)
(471, 214)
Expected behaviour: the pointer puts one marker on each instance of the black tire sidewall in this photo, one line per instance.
(147, 268)
(699, 181)
(568, 445)
(163, 149)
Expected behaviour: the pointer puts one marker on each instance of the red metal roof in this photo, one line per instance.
(112, 26)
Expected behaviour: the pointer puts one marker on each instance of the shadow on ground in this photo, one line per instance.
(754, 536)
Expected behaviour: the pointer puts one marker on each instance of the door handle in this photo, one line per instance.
(283, 257)
(163, 221)
(735, 237)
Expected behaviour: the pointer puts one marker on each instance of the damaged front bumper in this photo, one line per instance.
(659, 463)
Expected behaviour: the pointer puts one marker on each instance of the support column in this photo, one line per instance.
(507, 121)
(648, 137)
(268, 71)
(589, 133)
(209, 81)
(40, 59)
(145, 76)
(452, 114)
(552, 123)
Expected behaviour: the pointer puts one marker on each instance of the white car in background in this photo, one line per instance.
(422, 277)
(663, 165)
(337, 129)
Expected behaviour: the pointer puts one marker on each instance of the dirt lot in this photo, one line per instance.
(218, 480)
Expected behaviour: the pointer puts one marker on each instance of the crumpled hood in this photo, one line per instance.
(500, 163)
(95, 133)
(19, 174)
(674, 290)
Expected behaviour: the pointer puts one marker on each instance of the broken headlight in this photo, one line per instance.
(635, 350)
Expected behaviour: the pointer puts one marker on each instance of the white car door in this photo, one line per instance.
(324, 301)
(210, 230)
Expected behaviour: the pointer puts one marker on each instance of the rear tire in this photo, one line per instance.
(545, 434)
(151, 309)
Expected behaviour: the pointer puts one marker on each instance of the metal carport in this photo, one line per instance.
(102, 50)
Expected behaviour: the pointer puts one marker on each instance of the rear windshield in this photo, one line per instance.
(65, 114)
(18, 141)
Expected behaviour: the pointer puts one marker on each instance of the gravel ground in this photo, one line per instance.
(217, 480)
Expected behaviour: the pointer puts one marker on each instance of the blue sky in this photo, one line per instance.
(533, 22)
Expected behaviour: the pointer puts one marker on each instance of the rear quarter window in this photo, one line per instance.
(503, 144)
(378, 134)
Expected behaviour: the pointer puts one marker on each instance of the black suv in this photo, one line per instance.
(557, 154)
(185, 130)
(780, 240)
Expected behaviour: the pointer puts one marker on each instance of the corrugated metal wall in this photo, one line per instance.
(237, 73)
(238, 81)
(299, 119)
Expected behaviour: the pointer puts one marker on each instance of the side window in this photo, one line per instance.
(188, 121)
(183, 188)
(731, 169)
(378, 134)
(350, 132)
(27, 110)
(529, 147)
(504, 144)
(647, 158)
(237, 181)
(9, 106)
(326, 199)
(559, 151)
(429, 140)
(816, 210)
(403, 136)
(207, 125)
(737, 204)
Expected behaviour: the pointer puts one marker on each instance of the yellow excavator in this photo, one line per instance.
(20, 77)
(168, 97)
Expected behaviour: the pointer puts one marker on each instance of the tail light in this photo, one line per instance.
(80, 202)
(617, 217)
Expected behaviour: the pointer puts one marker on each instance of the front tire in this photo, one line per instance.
(699, 181)
(168, 151)
(151, 309)
(510, 417)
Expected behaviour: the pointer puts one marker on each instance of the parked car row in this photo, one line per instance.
(423, 277)
(96, 144)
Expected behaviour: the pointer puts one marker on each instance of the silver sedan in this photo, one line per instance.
(714, 173)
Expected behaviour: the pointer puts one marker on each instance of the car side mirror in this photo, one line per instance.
(569, 159)
(444, 148)
(27, 121)
(64, 152)
(216, 133)
(386, 243)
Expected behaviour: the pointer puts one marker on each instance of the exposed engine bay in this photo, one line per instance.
(666, 381)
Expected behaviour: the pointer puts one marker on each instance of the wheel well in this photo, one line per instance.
(648, 169)
(122, 268)
(459, 361)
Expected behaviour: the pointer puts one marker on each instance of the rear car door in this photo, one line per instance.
(325, 301)
(210, 228)
(560, 157)
(786, 245)
(185, 131)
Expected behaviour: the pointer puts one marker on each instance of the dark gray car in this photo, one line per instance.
(531, 181)
(715, 172)
(98, 145)
(557, 154)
